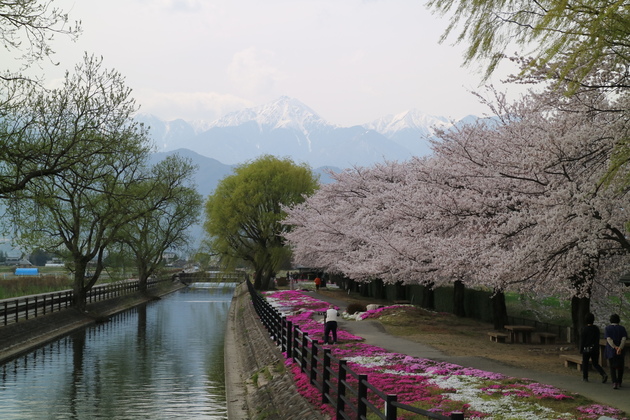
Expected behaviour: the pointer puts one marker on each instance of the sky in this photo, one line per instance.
(351, 61)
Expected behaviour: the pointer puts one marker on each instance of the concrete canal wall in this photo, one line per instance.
(258, 384)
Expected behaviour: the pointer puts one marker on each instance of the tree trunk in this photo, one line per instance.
(580, 307)
(265, 283)
(459, 291)
(258, 279)
(400, 291)
(142, 278)
(499, 310)
(266, 277)
(379, 289)
(428, 297)
(79, 292)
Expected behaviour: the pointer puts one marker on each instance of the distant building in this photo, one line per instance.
(17, 261)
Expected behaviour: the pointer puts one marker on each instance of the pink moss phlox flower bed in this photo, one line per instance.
(436, 386)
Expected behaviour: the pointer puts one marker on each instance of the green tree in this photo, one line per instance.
(36, 21)
(39, 257)
(27, 27)
(169, 208)
(32, 142)
(573, 37)
(244, 214)
(78, 211)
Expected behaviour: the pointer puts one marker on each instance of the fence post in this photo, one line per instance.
(289, 339)
(457, 415)
(283, 326)
(361, 407)
(277, 324)
(390, 409)
(313, 374)
(341, 390)
(326, 376)
(304, 350)
(296, 343)
(25, 308)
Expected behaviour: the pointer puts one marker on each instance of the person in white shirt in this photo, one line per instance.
(330, 324)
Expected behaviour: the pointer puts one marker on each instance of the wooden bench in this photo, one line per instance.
(547, 338)
(497, 337)
(572, 359)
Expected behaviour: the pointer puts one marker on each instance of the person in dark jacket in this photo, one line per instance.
(589, 347)
(616, 337)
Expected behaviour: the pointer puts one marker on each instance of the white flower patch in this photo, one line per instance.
(403, 373)
(369, 361)
(354, 317)
(504, 407)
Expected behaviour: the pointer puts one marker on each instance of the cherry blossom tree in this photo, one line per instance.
(559, 229)
(512, 203)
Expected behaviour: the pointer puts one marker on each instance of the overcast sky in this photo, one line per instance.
(352, 61)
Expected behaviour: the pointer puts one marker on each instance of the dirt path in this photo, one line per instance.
(467, 337)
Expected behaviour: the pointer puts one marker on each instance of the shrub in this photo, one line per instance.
(281, 281)
(353, 308)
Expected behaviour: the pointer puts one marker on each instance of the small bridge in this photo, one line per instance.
(212, 284)
(207, 277)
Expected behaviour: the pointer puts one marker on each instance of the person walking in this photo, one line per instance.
(318, 282)
(330, 324)
(589, 347)
(616, 337)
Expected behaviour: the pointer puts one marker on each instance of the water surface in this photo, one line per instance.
(163, 360)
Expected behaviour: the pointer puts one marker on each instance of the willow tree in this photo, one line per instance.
(244, 214)
(169, 207)
(574, 37)
(77, 211)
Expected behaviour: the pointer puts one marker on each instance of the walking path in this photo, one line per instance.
(375, 334)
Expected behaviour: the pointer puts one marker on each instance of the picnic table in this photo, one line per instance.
(524, 332)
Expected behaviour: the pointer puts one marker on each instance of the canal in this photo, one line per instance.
(162, 360)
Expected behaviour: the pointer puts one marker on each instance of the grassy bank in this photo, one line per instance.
(32, 285)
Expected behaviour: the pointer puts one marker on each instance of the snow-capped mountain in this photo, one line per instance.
(410, 129)
(284, 112)
(412, 119)
(288, 128)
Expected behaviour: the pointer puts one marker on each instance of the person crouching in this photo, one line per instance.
(330, 324)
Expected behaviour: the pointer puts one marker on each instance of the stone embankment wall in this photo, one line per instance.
(258, 384)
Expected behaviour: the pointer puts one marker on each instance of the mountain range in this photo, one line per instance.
(288, 128)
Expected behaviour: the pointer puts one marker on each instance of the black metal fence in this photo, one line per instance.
(27, 307)
(350, 394)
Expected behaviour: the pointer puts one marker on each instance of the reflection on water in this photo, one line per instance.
(163, 360)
